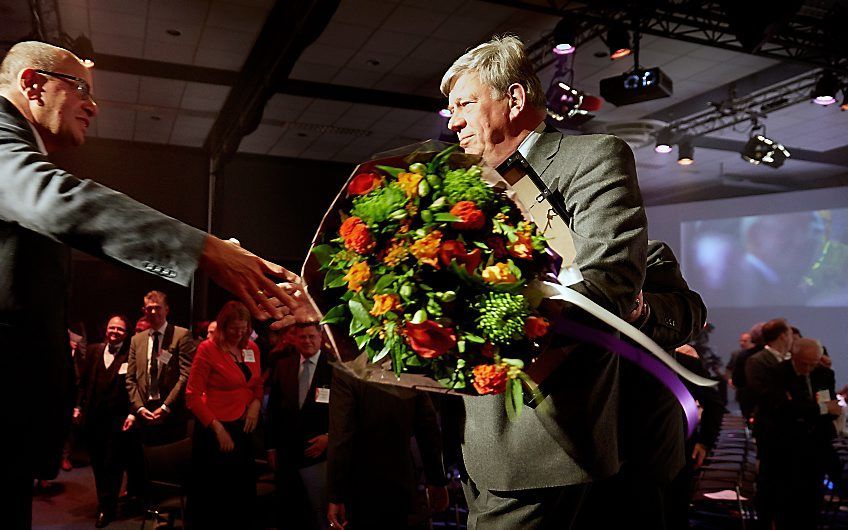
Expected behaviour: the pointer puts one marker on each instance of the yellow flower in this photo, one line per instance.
(409, 183)
(383, 303)
(396, 253)
(426, 249)
(498, 273)
(358, 274)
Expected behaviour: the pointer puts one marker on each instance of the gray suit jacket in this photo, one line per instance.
(572, 437)
(172, 376)
(42, 209)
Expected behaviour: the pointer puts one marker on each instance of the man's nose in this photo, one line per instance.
(90, 108)
(455, 123)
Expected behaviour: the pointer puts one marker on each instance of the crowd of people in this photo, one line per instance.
(786, 390)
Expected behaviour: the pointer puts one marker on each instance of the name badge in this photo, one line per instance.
(322, 395)
(822, 396)
(165, 356)
(249, 356)
(122, 370)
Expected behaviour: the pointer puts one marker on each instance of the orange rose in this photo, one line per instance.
(455, 250)
(358, 274)
(522, 248)
(359, 239)
(472, 217)
(429, 339)
(426, 249)
(348, 225)
(498, 273)
(408, 182)
(536, 327)
(490, 379)
(364, 183)
(383, 303)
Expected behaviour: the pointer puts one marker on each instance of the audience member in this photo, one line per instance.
(210, 330)
(142, 324)
(224, 393)
(744, 395)
(369, 462)
(200, 330)
(103, 405)
(158, 367)
(299, 412)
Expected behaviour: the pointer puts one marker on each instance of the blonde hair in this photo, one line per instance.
(499, 62)
(30, 54)
(231, 312)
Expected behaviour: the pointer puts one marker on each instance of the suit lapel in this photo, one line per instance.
(289, 379)
(144, 354)
(542, 154)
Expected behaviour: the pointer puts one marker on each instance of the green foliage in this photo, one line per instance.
(500, 316)
(378, 205)
(466, 185)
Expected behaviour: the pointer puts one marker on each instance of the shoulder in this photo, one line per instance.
(94, 349)
(605, 142)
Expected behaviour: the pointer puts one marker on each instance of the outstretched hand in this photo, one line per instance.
(246, 275)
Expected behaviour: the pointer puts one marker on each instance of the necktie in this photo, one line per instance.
(304, 380)
(808, 387)
(154, 368)
(113, 348)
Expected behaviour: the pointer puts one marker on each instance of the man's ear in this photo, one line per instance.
(517, 99)
(31, 84)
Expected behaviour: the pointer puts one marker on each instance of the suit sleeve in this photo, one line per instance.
(197, 382)
(186, 347)
(677, 313)
(608, 224)
(39, 196)
(342, 431)
(429, 438)
(132, 378)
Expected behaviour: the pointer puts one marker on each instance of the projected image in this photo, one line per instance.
(791, 259)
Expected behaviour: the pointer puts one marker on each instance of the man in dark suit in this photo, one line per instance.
(795, 412)
(157, 371)
(540, 469)
(46, 104)
(103, 406)
(370, 470)
(759, 369)
(299, 412)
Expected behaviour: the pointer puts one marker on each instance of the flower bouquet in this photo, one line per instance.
(424, 263)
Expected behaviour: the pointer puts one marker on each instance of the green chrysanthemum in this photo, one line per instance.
(500, 316)
(377, 206)
(465, 185)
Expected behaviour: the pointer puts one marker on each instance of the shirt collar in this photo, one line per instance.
(311, 360)
(531, 139)
(161, 329)
(780, 356)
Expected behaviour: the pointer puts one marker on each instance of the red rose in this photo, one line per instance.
(359, 240)
(490, 379)
(472, 217)
(496, 243)
(455, 250)
(364, 183)
(429, 339)
(536, 327)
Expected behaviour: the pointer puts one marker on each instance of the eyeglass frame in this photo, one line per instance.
(83, 87)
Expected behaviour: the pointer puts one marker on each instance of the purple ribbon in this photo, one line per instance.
(638, 357)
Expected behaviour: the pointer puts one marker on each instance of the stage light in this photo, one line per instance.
(618, 42)
(825, 91)
(685, 153)
(445, 113)
(664, 142)
(564, 38)
(570, 106)
(762, 150)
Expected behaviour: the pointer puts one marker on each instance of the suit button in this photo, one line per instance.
(172, 274)
(670, 322)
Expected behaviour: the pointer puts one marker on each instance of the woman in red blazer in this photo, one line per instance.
(224, 391)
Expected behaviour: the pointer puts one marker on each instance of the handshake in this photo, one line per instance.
(248, 276)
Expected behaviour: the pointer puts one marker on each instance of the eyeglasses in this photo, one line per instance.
(83, 88)
(152, 308)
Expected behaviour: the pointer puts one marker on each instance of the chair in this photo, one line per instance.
(167, 469)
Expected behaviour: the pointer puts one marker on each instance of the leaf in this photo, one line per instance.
(470, 337)
(323, 253)
(440, 158)
(332, 279)
(355, 327)
(361, 341)
(335, 315)
(384, 281)
(445, 217)
(385, 351)
(359, 313)
(393, 171)
(509, 403)
(517, 396)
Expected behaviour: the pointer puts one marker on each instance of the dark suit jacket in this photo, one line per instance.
(370, 430)
(572, 437)
(42, 208)
(172, 376)
(103, 392)
(289, 425)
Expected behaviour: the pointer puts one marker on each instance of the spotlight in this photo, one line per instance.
(564, 38)
(618, 41)
(825, 91)
(685, 153)
(664, 138)
(762, 150)
(570, 106)
(445, 113)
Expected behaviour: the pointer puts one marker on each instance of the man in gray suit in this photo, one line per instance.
(47, 104)
(545, 469)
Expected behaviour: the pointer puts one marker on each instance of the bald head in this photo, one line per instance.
(806, 354)
(32, 54)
